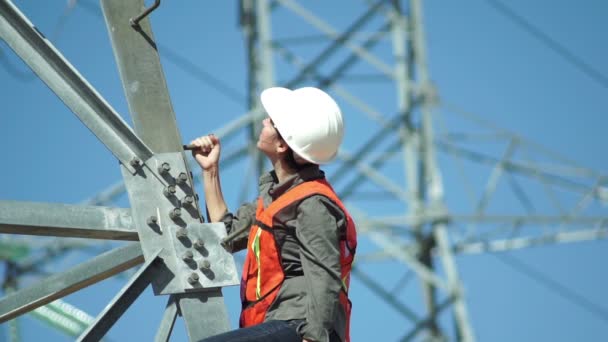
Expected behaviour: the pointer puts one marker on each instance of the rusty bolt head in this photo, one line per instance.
(193, 278)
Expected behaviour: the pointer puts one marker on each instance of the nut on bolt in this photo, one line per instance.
(181, 233)
(152, 220)
(135, 162)
(193, 278)
(164, 168)
(169, 190)
(175, 213)
(205, 265)
(188, 199)
(188, 256)
(182, 178)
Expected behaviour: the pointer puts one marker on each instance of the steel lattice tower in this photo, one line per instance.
(396, 158)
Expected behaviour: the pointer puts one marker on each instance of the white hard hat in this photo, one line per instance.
(308, 119)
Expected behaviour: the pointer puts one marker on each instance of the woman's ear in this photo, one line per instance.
(281, 146)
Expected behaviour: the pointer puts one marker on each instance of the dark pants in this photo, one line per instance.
(279, 331)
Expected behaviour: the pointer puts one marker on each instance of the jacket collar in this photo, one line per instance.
(275, 189)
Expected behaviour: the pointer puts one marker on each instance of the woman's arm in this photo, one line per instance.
(318, 225)
(207, 154)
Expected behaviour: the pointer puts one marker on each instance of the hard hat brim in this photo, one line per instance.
(278, 103)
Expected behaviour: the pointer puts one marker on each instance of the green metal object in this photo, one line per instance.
(13, 251)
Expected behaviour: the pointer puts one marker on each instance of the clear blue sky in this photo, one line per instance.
(478, 59)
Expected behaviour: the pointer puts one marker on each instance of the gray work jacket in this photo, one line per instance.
(308, 235)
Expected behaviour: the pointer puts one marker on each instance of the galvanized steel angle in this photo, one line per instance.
(122, 301)
(71, 87)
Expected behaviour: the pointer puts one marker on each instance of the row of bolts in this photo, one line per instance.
(170, 190)
(174, 214)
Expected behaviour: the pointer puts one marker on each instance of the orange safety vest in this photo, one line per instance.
(263, 271)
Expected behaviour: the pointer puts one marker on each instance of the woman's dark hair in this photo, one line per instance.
(290, 158)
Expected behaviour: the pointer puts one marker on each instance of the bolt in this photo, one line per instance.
(169, 190)
(189, 199)
(152, 220)
(188, 256)
(175, 213)
(181, 233)
(164, 168)
(199, 243)
(135, 162)
(182, 178)
(193, 278)
(205, 265)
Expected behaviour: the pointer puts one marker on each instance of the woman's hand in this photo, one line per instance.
(207, 153)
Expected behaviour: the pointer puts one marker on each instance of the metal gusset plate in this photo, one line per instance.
(201, 261)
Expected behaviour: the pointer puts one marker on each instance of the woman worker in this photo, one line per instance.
(300, 239)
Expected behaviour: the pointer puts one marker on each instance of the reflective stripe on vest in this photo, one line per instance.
(260, 289)
(255, 247)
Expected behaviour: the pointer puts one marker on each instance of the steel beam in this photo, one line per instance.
(373, 175)
(368, 146)
(50, 219)
(429, 319)
(502, 245)
(256, 23)
(154, 120)
(122, 301)
(62, 284)
(391, 247)
(429, 216)
(205, 314)
(63, 79)
(166, 324)
(387, 296)
(338, 41)
(142, 76)
(513, 166)
(333, 34)
(64, 316)
(56, 319)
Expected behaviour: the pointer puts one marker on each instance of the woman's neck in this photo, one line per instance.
(282, 170)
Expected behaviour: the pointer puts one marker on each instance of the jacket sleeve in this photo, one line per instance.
(245, 216)
(318, 225)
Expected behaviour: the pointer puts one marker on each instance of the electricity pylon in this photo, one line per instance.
(428, 232)
(396, 158)
(182, 255)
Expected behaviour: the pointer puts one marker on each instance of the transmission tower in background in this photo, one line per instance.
(389, 173)
(422, 233)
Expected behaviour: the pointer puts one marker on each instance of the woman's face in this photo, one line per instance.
(269, 140)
